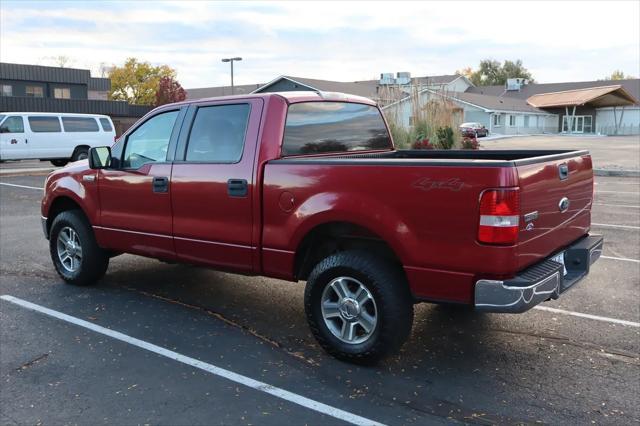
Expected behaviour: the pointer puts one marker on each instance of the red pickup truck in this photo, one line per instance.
(308, 186)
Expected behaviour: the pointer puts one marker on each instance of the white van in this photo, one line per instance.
(57, 137)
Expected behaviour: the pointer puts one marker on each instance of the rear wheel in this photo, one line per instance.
(74, 251)
(358, 306)
(81, 153)
(59, 163)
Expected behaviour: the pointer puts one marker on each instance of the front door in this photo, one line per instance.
(135, 196)
(13, 143)
(213, 185)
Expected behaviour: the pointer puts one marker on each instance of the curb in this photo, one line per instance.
(613, 172)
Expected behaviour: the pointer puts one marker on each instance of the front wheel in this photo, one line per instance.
(74, 251)
(358, 306)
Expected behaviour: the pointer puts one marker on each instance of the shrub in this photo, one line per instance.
(422, 144)
(445, 137)
(470, 143)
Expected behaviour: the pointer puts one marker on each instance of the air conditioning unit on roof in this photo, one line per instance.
(403, 78)
(387, 78)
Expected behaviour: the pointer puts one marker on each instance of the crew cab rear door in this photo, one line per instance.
(555, 202)
(213, 184)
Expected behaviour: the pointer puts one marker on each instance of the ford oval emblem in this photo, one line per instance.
(563, 205)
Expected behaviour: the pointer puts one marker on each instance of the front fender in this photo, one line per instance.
(70, 184)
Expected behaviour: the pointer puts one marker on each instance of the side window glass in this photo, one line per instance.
(79, 124)
(106, 125)
(149, 142)
(44, 124)
(12, 125)
(217, 134)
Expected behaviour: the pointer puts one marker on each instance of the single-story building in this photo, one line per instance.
(518, 107)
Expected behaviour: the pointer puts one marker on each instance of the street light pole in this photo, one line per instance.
(231, 61)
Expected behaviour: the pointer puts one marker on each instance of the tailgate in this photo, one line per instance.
(555, 203)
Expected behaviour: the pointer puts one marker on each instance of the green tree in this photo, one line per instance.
(491, 73)
(137, 82)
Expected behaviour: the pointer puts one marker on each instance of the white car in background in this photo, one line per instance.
(57, 137)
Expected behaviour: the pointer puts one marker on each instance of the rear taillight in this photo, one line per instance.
(499, 216)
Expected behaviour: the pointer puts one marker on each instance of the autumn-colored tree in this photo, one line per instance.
(169, 91)
(137, 82)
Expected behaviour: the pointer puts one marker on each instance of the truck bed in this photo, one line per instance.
(498, 158)
(425, 205)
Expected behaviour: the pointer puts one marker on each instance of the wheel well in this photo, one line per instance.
(334, 237)
(79, 147)
(59, 205)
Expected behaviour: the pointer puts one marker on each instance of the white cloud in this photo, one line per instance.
(333, 40)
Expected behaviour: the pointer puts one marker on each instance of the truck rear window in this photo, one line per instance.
(317, 127)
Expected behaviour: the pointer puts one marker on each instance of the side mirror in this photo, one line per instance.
(100, 157)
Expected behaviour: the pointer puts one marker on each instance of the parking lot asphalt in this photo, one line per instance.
(458, 367)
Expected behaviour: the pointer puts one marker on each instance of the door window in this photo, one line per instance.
(149, 142)
(12, 125)
(44, 124)
(217, 134)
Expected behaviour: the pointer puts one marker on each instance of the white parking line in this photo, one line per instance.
(210, 368)
(588, 316)
(624, 259)
(617, 205)
(608, 225)
(21, 186)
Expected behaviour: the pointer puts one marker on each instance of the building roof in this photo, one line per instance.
(497, 103)
(214, 92)
(41, 73)
(631, 86)
(365, 88)
(604, 96)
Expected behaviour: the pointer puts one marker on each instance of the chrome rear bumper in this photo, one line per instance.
(543, 281)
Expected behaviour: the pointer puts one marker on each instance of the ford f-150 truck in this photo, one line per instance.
(307, 186)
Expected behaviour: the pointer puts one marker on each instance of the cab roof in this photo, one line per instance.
(295, 97)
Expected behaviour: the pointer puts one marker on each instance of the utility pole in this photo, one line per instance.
(231, 61)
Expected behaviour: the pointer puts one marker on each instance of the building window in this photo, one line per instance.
(512, 120)
(35, 91)
(7, 90)
(62, 93)
(497, 120)
(526, 121)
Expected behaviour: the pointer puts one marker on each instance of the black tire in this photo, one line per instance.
(94, 260)
(59, 163)
(80, 153)
(387, 286)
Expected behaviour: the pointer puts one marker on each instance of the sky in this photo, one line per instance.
(344, 41)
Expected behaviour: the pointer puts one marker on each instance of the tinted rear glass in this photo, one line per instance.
(315, 127)
(106, 125)
(80, 124)
(44, 124)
